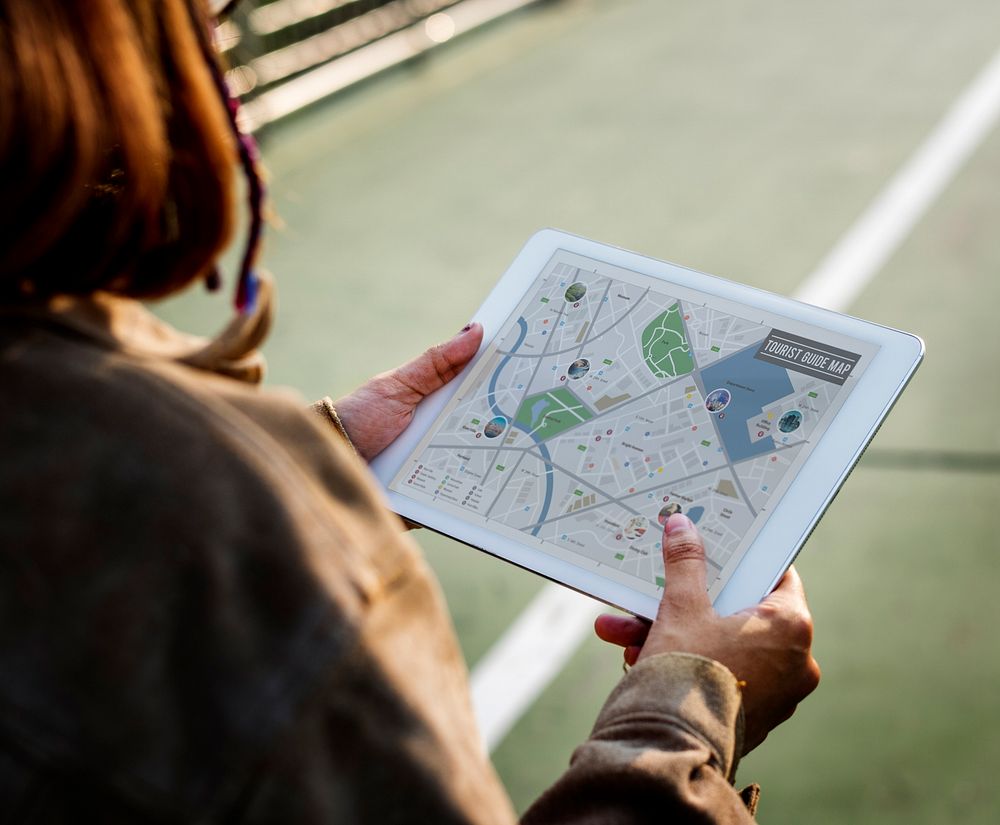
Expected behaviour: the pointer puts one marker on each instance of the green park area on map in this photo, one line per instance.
(665, 347)
(548, 413)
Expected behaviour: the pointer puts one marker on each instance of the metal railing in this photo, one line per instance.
(285, 54)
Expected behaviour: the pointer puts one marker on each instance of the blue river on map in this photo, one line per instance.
(491, 395)
(491, 398)
(754, 384)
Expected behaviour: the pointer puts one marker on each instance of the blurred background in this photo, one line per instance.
(414, 145)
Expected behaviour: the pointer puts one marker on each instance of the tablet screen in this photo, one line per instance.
(611, 399)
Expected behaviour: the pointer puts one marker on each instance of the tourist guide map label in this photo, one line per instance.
(610, 400)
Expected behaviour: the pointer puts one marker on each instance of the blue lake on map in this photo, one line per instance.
(754, 384)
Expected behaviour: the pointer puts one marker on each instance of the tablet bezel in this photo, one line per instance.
(795, 515)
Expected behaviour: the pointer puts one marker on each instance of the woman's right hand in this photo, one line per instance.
(766, 647)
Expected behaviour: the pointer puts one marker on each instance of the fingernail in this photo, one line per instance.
(678, 521)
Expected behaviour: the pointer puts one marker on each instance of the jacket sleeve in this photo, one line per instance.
(665, 745)
(663, 749)
(324, 409)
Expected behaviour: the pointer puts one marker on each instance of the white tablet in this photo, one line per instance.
(612, 390)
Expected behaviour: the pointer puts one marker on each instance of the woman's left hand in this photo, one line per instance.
(377, 412)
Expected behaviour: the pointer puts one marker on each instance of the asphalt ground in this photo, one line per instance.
(741, 139)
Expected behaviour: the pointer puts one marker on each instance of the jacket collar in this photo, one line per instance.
(125, 324)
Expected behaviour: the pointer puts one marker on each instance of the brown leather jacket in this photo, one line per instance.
(207, 615)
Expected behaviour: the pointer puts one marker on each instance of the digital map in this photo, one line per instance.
(606, 406)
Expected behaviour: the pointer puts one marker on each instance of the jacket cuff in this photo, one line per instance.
(679, 690)
(324, 409)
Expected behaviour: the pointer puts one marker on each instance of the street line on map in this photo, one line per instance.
(527, 389)
(503, 486)
(538, 366)
(616, 410)
(474, 447)
(489, 467)
(631, 309)
(700, 383)
(585, 483)
(628, 312)
(536, 647)
(597, 315)
(643, 492)
(530, 380)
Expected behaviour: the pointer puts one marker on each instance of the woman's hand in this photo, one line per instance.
(766, 647)
(378, 411)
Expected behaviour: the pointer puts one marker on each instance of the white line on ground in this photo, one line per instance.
(536, 647)
(875, 236)
(527, 657)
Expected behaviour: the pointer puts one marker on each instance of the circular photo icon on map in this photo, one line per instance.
(574, 292)
(635, 528)
(668, 511)
(495, 426)
(718, 400)
(579, 368)
(790, 421)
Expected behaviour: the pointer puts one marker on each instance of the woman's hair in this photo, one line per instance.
(117, 154)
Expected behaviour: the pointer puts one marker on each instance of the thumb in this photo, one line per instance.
(438, 365)
(685, 590)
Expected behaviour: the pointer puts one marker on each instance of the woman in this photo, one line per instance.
(207, 613)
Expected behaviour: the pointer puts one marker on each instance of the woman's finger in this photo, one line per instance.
(621, 630)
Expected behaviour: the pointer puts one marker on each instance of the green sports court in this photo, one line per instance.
(744, 140)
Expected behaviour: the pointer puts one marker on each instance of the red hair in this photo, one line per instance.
(116, 151)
